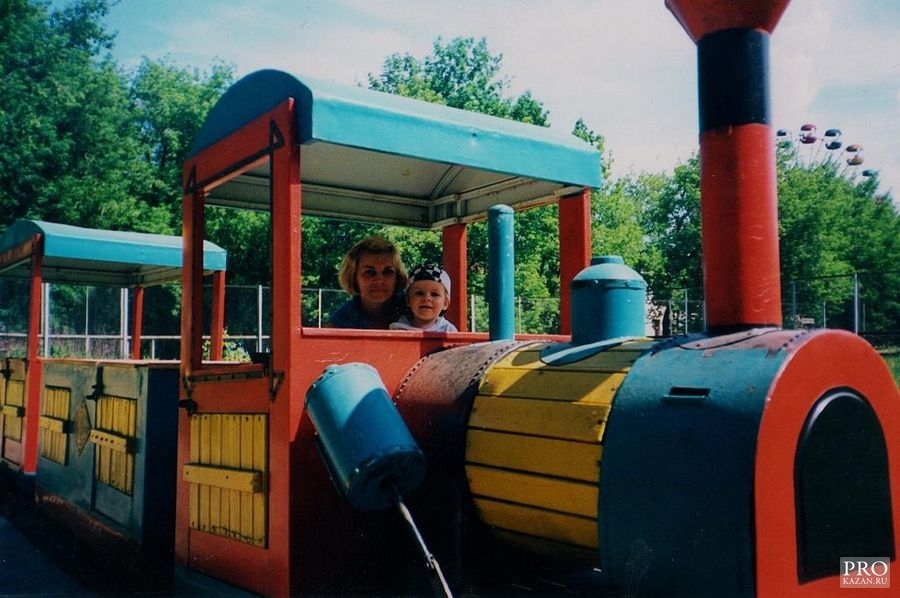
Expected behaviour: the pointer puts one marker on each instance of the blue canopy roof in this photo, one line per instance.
(100, 257)
(375, 156)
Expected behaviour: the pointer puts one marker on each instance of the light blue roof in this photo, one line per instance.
(426, 163)
(100, 257)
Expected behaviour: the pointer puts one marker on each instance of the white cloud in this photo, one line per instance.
(627, 68)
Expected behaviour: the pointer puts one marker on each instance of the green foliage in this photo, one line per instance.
(832, 225)
(170, 105)
(463, 73)
(232, 350)
(82, 142)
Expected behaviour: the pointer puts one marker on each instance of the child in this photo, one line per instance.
(427, 296)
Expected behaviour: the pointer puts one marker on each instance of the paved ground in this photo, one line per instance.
(41, 558)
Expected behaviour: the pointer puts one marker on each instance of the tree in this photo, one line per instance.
(61, 104)
(170, 106)
(832, 226)
(82, 142)
(464, 74)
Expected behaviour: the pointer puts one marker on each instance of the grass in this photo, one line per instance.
(892, 357)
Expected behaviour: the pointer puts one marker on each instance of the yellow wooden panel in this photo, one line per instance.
(559, 458)
(576, 498)
(580, 531)
(260, 426)
(194, 489)
(576, 421)
(15, 393)
(550, 383)
(231, 457)
(112, 441)
(221, 477)
(114, 437)
(227, 475)
(51, 424)
(16, 411)
(611, 360)
(54, 424)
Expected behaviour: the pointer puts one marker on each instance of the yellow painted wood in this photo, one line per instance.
(15, 393)
(114, 437)
(534, 442)
(51, 424)
(610, 360)
(560, 527)
(16, 411)
(194, 489)
(260, 461)
(576, 498)
(574, 421)
(111, 441)
(227, 475)
(558, 458)
(14, 403)
(552, 384)
(222, 477)
(54, 424)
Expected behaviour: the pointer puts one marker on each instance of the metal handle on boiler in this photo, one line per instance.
(429, 558)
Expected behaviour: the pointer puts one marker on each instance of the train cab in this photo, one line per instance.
(255, 505)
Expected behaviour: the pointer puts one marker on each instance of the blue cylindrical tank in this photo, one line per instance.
(608, 301)
(501, 273)
(367, 447)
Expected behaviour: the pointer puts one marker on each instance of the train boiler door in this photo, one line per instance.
(827, 474)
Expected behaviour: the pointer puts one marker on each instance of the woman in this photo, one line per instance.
(374, 275)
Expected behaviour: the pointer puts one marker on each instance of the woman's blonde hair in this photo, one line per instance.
(374, 246)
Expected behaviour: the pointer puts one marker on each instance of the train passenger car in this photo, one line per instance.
(724, 463)
(93, 440)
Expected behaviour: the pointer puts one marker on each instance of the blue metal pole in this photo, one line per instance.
(501, 279)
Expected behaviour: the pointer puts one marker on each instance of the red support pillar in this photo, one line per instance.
(192, 281)
(574, 249)
(137, 321)
(33, 361)
(455, 259)
(217, 325)
(286, 381)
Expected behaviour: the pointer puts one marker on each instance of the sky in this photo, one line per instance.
(627, 68)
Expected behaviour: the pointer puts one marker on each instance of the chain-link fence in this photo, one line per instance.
(862, 302)
(82, 321)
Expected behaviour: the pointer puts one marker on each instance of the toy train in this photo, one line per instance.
(747, 460)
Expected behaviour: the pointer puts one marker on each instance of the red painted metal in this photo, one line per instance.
(852, 363)
(192, 281)
(455, 259)
(261, 390)
(574, 249)
(740, 227)
(137, 321)
(33, 362)
(699, 17)
(216, 344)
(738, 191)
